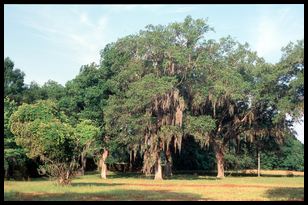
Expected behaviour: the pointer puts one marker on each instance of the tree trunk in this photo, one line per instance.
(168, 167)
(131, 161)
(220, 161)
(104, 171)
(158, 172)
(103, 165)
(83, 164)
(67, 175)
(6, 171)
(64, 178)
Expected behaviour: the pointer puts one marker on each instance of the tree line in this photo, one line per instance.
(164, 96)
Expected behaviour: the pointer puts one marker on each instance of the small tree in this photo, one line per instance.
(43, 132)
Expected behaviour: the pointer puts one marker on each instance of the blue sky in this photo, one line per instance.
(53, 41)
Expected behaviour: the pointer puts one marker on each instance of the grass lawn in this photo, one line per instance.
(181, 187)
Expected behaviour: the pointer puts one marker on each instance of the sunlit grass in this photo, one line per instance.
(138, 187)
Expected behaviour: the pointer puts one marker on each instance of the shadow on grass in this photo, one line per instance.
(286, 193)
(262, 175)
(126, 175)
(190, 177)
(36, 179)
(185, 176)
(119, 175)
(111, 195)
(95, 184)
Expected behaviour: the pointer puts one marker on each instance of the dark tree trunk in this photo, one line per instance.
(131, 161)
(158, 171)
(168, 167)
(219, 153)
(83, 164)
(6, 171)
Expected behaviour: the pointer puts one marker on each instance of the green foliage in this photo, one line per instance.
(131, 73)
(86, 131)
(33, 93)
(289, 156)
(115, 55)
(52, 90)
(141, 93)
(42, 130)
(88, 141)
(291, 79)
(118, 153)
(85, 95)
(167, 133)
(292, 155)
(14, 155)
(199, 127)
(239, 161)
(190, 31)
(9, 108)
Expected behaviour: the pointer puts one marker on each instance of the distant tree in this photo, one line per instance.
(287, 156)
(33, 93)
(52, 90)
(13, 81)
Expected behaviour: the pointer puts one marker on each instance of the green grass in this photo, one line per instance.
(134, 187)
